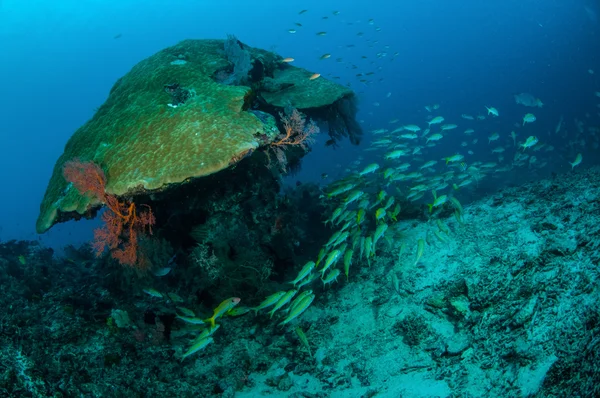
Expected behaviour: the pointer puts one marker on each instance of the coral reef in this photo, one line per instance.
(178, 115)
(504, 305)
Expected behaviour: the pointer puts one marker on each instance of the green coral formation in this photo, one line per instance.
(173, 118)
(292, 86)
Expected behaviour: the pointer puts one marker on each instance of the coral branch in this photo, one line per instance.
(122, 223)
(296, 130)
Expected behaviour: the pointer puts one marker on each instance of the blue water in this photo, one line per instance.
(60, 59)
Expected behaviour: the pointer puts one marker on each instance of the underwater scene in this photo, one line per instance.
(302, 199)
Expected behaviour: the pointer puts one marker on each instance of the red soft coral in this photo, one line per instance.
(122, 222)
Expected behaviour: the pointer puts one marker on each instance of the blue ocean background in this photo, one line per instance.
(60, 59)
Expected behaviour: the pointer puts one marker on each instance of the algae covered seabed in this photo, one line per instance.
(504, 305)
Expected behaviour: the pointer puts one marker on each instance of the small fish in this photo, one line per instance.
(325, 56)
(175, 297)
(531, 141)
(409, 136)
(314, 76)
(395, 212)
(434, 137)
(380, 214)
(464, 183)
(379, 232)
(360, 216)
(307, 269)
(492, 111)
(442, 227)
(297, 300)
(389, 203)
(353, 197)
(186, 311)
(206, 333)
(320, 256)
(238, 311)
(303, 339)
(307, 281)
(493, 137)
(440, 200)
(292, 30)
(428, 164)
(331, 276)
(454, 158)
(412, 128)
(347, 261)
(287, 60)
(321, 33)
(435, 120)
(162, 271)
(286, 298)
(420, 250)
(369, 169)
(577, 161)
(200, 345)
(298, 309)
(153, 292)
(224, 307)
(302, 12)
(331, 259)
(340, 190)
(447, 127)
(368, 249)
(396, 154)
(191, 319)
(528, 118)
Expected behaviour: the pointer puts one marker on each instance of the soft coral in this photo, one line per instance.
(122, 222)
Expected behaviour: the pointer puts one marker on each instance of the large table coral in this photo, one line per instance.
(177, 116)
